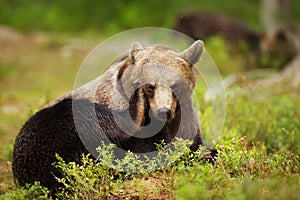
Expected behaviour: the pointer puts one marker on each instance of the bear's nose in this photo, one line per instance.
(163, 113)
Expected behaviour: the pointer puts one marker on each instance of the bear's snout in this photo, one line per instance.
(162, 103)
(163, 113)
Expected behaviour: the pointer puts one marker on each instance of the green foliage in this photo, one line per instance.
(105, 176)
(258, 151)
(76, 15)
(33, 191)
(241, 173)
(226, 62)
(272, 121)
(84, 182)
(275, 61)
(7, 69)
(114, 16)
(240, 160)
(3, 70)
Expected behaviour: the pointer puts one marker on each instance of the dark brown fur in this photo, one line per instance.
(46, 134)
(203, 25)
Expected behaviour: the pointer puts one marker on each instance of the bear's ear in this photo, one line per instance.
(193, 53)
(135, 47)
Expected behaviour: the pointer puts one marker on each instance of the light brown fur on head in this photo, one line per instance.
(169, 72)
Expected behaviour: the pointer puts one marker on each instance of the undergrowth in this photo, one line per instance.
(258, 159)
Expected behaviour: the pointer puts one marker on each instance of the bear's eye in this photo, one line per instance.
(149, 88)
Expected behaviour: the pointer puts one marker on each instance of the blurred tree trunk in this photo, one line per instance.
(272, 12)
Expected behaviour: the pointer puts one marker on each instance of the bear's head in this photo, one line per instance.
(282, 41)
(155, 81)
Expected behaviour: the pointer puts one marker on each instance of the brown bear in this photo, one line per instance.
(280, 46)
(240, 39)
(202, 25)
(142, 99)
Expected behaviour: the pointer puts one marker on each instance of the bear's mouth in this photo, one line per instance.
(166, 118)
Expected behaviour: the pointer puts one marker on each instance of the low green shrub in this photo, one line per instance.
(31, 191)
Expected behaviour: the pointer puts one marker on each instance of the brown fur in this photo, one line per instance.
(118, 84)
(160, 65)
(137, 107)
(281, 46)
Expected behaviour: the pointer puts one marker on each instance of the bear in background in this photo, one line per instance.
(143, 98)
(240, 39)
(269, 49)
(280, 46)
(202, 25)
